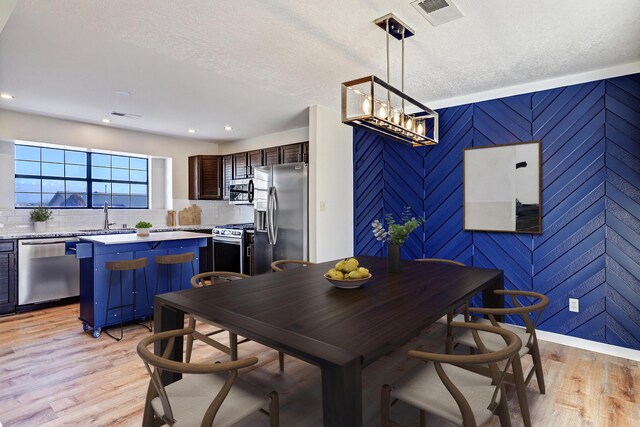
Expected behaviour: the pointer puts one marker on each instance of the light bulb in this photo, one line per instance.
(409, 123)
(396, 117)
(366, 106)
(420, 129)
(382, 112)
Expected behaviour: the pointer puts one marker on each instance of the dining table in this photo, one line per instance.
(299, 312)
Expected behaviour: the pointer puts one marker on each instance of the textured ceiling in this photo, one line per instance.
(257, 65)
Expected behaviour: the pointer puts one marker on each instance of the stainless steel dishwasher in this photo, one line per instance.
(45, 272)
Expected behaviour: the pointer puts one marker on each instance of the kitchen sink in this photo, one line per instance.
(102, 230)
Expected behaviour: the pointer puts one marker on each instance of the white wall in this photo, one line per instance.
(265, 141)
(30, 127)
(330, 184)
(6, 8)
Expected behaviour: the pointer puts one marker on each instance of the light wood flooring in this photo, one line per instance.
(53, 374)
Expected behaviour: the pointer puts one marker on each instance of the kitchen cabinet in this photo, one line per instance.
(254, 158)
(205, 178)
(294, 153)
(271, 156)
(239, 165)
(227, 175)
(8, 273)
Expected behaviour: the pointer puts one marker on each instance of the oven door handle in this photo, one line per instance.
(227, 240)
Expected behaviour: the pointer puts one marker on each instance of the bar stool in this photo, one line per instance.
(120, 266)
(170, 261)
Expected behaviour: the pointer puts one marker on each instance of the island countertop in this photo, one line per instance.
(118, 239)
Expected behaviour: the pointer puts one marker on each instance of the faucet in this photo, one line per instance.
(107, 224)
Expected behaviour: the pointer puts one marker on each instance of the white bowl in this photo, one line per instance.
(347, 283)
(142, 232)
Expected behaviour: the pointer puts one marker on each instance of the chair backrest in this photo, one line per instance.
(156, 364)
(286, 264)
(536, 308)
(126, 265)
(215, 277)
(511, 349)
(175, 258)
(440, 260)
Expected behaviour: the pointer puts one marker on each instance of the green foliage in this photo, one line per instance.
(143, 224)
(40, 214)
(397, 233)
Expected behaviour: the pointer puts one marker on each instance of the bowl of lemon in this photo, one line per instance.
(347, 274)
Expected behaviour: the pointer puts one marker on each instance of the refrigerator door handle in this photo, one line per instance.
(274, 222)
(269, 216)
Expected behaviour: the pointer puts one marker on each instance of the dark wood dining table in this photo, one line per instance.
(340, 330)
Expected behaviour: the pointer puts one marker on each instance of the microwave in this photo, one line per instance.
(241, 192)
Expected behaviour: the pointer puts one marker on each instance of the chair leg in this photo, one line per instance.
(503, 410)
(281, 360)
(233, 345)
(385, 406)
(537, 363)
(189, 343)
(274, 409)
(521, 390)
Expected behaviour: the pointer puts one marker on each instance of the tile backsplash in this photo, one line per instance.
(213, 212)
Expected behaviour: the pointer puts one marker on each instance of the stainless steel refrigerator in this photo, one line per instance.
(281, 214)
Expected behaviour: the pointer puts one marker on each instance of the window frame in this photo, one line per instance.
(88, 180)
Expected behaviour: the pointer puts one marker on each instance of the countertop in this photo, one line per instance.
(117, 239)
(30, 234)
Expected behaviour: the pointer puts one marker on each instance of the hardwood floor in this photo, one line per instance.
(53, 374)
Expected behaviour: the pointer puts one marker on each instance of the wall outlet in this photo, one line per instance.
(323, 205)
(574, 305)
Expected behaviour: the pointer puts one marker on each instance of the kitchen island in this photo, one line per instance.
(95, 251)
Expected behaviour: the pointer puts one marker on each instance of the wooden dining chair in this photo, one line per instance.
(207, 394)
(286, 264)
(213, 278)
(531, 314)
(461, 309)
(443, 387)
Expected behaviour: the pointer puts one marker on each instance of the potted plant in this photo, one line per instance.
(39, 217)
(396, 235)
(142, 228)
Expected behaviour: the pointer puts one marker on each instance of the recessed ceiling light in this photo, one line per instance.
(192, 131)
(123, 93)
(6, 96)
(228, 128)
(106, 121)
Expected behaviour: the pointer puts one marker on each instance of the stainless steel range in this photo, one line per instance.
(231, 251)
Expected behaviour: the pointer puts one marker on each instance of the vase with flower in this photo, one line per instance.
(395, 235)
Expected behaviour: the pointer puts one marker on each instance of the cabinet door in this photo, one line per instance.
(205, 178)
(291, 153)
(255, 160)
(239, 165)
(227, 175)
(271, 156)
(7, 282)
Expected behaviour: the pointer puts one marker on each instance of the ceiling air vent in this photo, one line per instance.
(437, 11)
(127, 115)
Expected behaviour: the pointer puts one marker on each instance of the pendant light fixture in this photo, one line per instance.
(369, 102)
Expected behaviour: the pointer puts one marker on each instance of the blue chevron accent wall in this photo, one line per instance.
(590, 245)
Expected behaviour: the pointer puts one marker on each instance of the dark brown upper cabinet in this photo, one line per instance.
(205, 178)
(271, 156)
(294, 153)
(255, 160)
(227, 175)
(240, 166)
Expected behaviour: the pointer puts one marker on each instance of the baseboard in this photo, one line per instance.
(598, 347)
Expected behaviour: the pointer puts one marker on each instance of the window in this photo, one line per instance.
(60, 178)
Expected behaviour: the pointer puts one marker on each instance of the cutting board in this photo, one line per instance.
(190, 215)
(171, 218)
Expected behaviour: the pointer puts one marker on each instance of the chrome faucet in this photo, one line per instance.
(107, 224)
